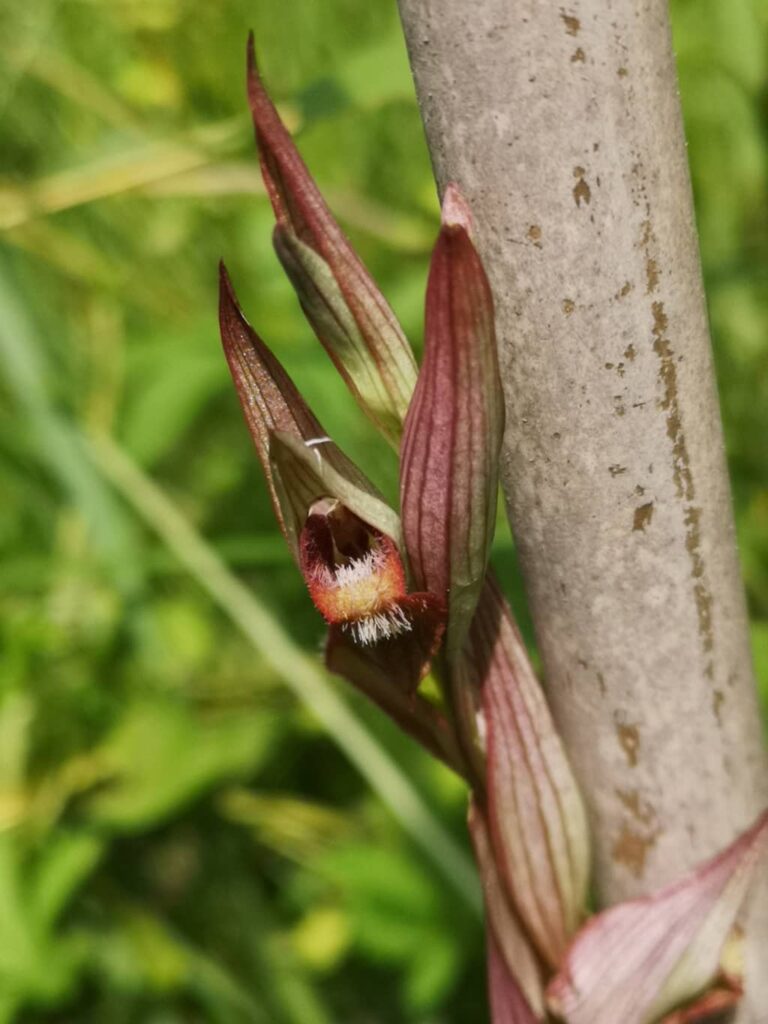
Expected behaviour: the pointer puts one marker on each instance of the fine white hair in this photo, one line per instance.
(381, 626)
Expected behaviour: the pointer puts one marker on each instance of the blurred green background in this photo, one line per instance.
(181, 839)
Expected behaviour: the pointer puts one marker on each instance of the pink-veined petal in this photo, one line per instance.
(269, 399)
(275, 410)
(506, 939)
(639, 960)
(507, 1002)
(453, 433)
(535, 813)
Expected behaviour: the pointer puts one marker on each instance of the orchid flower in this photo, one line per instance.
(405, 596)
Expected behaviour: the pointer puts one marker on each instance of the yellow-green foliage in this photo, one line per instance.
(180, 840)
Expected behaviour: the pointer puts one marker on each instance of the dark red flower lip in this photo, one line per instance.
(355, 575)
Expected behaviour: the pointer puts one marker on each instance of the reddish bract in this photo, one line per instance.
(453, 431)
(641, 959)
(347, 311)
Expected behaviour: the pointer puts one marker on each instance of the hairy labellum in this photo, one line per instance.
(354, 573)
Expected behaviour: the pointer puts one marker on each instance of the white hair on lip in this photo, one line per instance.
(356, 571)
(382, 626)
(359, 569)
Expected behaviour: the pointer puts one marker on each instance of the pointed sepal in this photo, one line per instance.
(535, 813)
(341, 531)
(363, 365)
(350, 316)
(453, 432)
(301, 463)
(269, 399)
(640, 960)
(515, 976)
(507, 1003)
(455, 210)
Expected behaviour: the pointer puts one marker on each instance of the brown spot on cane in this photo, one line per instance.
(622, 72)
(651, 275)
(582, 193)
(693, 539)
(638, 835)
(629, 741)
(578, 56)
(718, 699)
(630, 353)
(703, 600)
(681, 472)
(534, 234)
(568, 306)
(643, 516)
(640, 809)
(631, 849)
(572, 23)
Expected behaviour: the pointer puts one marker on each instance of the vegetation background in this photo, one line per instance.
(181, 840)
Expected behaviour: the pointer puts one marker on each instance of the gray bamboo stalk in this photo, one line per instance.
(562, 126)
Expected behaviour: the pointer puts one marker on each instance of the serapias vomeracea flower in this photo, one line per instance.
(403, 597)
(344, 538)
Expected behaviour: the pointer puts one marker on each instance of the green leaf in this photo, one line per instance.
(760, 652)
(66, 861)
(172, 382)
(397, 918)
(431, 971)
(163, 756)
